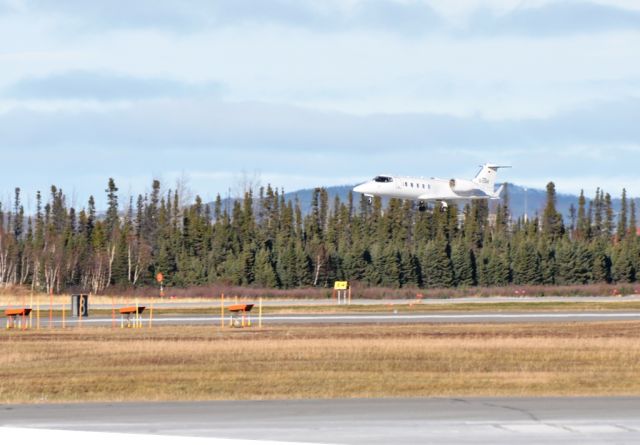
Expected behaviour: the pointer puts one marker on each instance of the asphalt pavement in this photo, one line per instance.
(371, 318)
(356, 421)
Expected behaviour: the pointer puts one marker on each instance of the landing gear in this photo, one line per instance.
(370, 200)
(422, 207)
(443, 206)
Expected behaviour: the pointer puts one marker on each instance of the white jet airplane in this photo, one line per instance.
(436, 190)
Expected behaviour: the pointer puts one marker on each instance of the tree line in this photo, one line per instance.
(267, 241)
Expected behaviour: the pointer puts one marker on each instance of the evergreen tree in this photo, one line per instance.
(112, 217)
(621, 231)
(583, 228)
(265, 274)
(622, 270)
(601, 262)
(437, 267)
(463, 266)
(526, 264)
(552, 224)
(608, 211)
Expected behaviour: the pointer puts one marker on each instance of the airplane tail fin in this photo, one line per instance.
(486, 177)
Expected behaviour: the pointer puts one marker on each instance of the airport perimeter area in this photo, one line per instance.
(299, 352)
(476, 370)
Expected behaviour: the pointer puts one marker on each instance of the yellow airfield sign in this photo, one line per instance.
(341, 285)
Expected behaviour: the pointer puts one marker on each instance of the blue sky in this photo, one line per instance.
(302, 93)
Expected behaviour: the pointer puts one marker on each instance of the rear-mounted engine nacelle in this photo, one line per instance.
(462, 186)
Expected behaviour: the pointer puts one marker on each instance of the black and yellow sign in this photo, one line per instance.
(341, 285)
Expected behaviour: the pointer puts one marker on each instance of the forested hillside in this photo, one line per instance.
(266, 240)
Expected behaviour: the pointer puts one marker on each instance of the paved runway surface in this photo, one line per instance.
(379, 318)
(357, 421)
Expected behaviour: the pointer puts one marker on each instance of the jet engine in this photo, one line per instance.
(462, 186)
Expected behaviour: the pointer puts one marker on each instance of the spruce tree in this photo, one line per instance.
(583, 264)
(622, 270)
(621, 231)
(601, 271)
(463, 267)
(265, 275)
(582, 223)
(608, 211)
(552, 224)
(112, 218)
(410, 270)
(547, 256)
(436, 265)
(526, 265)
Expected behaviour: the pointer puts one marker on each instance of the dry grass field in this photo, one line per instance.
(199, 363)
(211, 306)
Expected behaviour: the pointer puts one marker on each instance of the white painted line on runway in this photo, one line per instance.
(27, 435)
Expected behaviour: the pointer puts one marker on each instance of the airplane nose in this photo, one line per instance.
(359, 189)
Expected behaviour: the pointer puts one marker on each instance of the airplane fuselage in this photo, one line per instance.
(425, 190)
(405, 187)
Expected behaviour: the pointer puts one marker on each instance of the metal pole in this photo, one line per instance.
(51, 309)
(221, 311)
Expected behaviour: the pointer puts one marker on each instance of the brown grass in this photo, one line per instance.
(196, 293)
(199, 363)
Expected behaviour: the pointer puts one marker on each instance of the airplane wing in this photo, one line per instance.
(478, 195)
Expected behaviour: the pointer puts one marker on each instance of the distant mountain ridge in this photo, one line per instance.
(521, 199)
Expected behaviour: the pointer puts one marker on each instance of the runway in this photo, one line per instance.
(382, 318)
(214, 303)
(356, 421)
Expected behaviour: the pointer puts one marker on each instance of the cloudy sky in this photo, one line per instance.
(302, 93)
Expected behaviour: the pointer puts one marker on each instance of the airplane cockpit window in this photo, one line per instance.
(383, 179)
